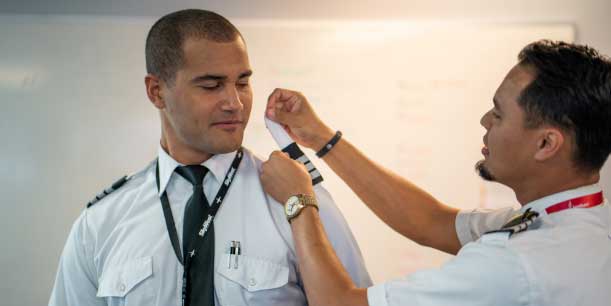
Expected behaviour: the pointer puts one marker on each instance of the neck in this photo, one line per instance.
(551, 184)
(182, 153)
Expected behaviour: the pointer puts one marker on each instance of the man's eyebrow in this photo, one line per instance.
(208, 77)
(245, 74)
(216, 77)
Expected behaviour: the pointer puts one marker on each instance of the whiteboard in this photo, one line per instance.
(75, 117)
(409, 95)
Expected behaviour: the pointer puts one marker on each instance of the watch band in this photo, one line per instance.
(291, 218)
(326, 148)
(308, 200)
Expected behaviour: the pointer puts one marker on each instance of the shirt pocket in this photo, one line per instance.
(128, 283)
(255, 281)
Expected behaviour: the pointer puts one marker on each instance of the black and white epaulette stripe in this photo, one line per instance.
(116, 185)
(518, 223)
(295, 153)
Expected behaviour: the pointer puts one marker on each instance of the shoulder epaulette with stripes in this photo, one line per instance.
(116, 185)
(518, 223)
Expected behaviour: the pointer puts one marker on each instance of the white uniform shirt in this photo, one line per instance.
(563, 258)
(119, 252)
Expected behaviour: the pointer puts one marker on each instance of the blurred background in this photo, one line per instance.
(406, 81)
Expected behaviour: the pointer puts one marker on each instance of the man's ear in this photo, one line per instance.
(154, 91)
(549, 144)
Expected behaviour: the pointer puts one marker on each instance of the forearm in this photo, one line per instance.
(325, 279)
(405, 207)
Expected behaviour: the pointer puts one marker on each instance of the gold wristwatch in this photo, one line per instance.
(296, 203)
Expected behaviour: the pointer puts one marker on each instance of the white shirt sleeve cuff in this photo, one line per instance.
(376, 295)
(463, 228)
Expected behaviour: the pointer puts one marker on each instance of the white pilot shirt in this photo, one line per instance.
(564, 258)
(119, 252)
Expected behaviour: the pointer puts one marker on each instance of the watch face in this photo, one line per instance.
(292, 205)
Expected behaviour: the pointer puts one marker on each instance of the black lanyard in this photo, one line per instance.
(169, 218)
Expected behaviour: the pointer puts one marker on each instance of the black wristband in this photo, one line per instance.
(322, 152)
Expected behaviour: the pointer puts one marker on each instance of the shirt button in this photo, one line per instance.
(252, 282)
(121, 287)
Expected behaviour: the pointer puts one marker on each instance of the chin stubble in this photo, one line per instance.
(483, 172)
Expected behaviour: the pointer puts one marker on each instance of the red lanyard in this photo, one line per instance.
(587, 201)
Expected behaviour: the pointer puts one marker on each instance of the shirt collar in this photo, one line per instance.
(541, 204)
(217, 165)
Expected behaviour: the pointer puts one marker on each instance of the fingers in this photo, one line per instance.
(282, 103)
(278, 154)
(274, 101)
(275, 159)
(292, 110)
(282, 177)
(280, 162)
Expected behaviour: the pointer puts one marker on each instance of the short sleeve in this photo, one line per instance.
(480, 275)
(472, 224)
(75, 282)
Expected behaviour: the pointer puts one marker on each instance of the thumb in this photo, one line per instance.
(282, 115)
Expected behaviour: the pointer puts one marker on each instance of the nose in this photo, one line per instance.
(485, 120)
(232, 101)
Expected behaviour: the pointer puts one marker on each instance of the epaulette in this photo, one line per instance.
(518, 223)
(116, 185)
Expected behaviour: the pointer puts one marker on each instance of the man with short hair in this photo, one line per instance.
(194, 227)
(547, 137)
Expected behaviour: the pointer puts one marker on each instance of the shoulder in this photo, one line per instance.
(252, 158)
(109, 208)
(116, 185)
(471, 224)
(250, 166)
(515, 225)
(498, 249)
(123, 185)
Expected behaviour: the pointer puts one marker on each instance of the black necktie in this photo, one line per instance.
(198, 259)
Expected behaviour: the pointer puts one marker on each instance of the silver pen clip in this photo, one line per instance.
(237, 253)
(231, 253)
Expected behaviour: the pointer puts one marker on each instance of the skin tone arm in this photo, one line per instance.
(326, 282)
(407, 209)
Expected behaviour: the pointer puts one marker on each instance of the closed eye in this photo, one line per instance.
(210, 87)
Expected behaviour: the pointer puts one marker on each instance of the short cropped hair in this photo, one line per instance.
(572, 91)
(164, 43)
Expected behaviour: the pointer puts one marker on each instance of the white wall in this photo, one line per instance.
(591, 17)
(33, 235)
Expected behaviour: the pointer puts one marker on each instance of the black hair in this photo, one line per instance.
(571, 90)
(164, 52)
